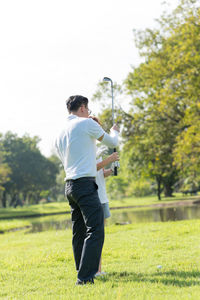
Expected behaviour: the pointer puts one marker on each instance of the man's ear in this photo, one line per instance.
(81, 109)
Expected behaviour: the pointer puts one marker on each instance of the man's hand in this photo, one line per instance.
(107, 172)
(114, 157)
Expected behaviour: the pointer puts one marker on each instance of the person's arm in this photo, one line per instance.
(111, 158)
(110, 140)
(97, 132)
(107, 172)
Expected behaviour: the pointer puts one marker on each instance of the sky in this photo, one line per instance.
(53, 49)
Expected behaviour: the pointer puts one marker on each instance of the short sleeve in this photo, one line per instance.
(94, 129)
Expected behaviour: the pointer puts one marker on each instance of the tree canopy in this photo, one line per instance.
(161, 131)
(30, 171)
(4, 169)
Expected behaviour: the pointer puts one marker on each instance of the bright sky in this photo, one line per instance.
(51, 49)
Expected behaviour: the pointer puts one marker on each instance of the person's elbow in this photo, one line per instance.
(101, 138)
(110, 141)
(115, 142)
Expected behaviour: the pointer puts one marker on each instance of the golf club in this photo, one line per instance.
(107, 79)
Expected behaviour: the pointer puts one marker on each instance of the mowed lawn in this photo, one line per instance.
(142, 261)
(63, 207)
(12, 218)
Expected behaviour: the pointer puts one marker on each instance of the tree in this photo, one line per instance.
(187, 155)
(4, 171)
(58, 190)
(164, 90)
(161, 130)
(31, 172)
(4, 174)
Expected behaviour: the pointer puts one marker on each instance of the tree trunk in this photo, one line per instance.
(4, 199)
(37, 198)
(158, 180)
(24, 197)
(13, 199)
(168, 191)
(168, 183)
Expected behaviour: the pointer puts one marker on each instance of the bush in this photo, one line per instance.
(115, 187)
(140, 188)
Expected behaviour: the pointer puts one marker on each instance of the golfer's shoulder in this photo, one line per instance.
(88, 126)
(88, 123)
(83, 123)
(94, 125)
(77, 122)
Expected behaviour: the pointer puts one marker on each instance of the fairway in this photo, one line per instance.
(142, 261)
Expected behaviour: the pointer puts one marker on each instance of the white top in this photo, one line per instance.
(76, 147)
(101, 185)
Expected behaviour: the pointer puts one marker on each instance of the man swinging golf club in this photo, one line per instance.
(76, 147)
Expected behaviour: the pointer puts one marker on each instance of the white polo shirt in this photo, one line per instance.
(76, 147)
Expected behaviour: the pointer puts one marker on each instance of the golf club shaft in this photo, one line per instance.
(113, 119)
(115, 167)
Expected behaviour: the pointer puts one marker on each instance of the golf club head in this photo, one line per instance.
(106, 79)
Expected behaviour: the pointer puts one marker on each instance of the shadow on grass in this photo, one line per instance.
(174, 278)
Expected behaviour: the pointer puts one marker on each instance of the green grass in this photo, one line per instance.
(41, 265)
(40, 209)
(150, 200)
(62, 207)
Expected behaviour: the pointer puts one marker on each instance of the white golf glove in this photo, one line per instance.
(115, 164)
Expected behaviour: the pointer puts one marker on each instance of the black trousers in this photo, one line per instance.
(87, 225)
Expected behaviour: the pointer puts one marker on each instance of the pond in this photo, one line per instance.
(122, 217)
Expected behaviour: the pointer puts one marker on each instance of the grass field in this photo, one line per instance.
(61, 207)
(41, 266)
(12, 218)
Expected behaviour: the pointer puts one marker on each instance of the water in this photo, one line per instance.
(122, 217)
(157, 215)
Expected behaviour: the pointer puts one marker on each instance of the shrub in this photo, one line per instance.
(140, 188)
(116, 187)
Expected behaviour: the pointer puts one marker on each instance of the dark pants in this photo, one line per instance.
(87, 225)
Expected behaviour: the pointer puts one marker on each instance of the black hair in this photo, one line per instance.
(74, 102)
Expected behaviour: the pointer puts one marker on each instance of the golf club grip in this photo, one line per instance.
(115, 168)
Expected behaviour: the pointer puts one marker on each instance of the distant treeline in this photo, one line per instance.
(26, 176)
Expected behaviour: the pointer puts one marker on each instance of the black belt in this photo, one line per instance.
(87, 177)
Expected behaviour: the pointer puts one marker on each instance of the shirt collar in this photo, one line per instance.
(70, 117)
